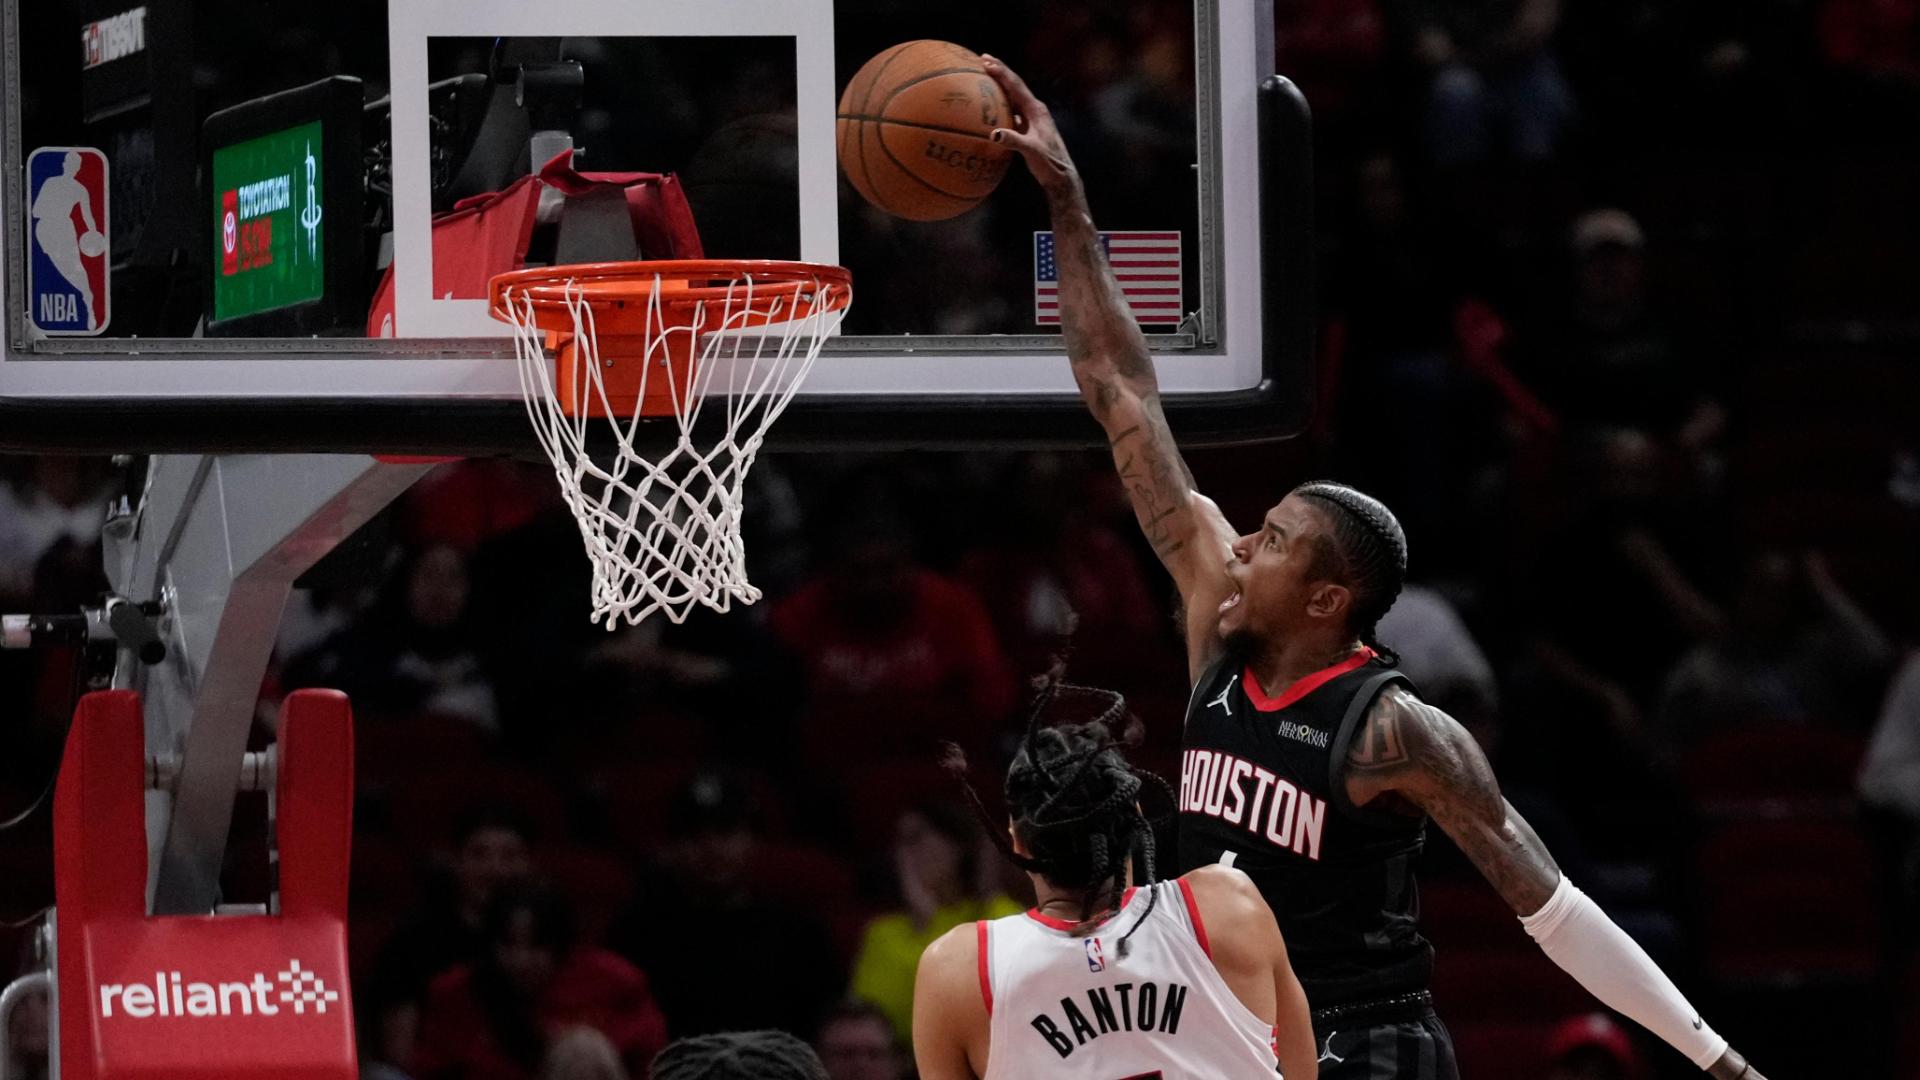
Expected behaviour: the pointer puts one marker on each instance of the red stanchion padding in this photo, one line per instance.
(202, 997)
(315, 803)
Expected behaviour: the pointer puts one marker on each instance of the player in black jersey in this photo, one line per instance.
(1309, 761)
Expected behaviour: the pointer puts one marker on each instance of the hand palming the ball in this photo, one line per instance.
(1033, 133)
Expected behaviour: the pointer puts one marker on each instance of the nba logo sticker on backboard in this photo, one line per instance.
(69, 281)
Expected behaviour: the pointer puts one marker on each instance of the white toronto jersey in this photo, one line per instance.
(1062, 1005)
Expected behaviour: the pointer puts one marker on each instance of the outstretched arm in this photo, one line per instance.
(1114, 371)
(1410, 752)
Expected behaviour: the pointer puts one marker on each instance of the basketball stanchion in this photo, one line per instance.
(629, 342)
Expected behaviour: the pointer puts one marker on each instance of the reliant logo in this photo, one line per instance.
(113, 38)
(170, 994)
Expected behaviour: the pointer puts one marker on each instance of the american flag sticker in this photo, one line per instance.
(1146, 263)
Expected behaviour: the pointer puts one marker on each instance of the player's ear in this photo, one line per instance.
(1019, 847)
(1328, 600)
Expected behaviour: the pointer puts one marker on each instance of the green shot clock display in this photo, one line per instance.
(268, 241)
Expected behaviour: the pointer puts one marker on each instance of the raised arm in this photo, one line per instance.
(1114, 371)
(1410, 753)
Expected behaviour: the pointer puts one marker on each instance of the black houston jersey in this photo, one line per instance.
(1262, 778)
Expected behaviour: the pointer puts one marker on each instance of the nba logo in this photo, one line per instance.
(67, 253)
(1096, 960)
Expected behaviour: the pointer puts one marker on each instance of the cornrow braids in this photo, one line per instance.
(1369, 552)
(1075, 803)
(738, 1055)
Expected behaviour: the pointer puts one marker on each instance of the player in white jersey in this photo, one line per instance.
(1103, 981)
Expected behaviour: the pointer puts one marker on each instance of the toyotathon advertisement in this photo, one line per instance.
(268, 236)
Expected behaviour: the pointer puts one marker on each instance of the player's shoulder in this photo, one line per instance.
(1227, 896)
(950, 977)
(957, 949)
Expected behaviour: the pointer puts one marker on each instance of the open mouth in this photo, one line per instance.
(1230, 602)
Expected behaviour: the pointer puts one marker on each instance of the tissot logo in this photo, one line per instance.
(172, 994)
(113, 38)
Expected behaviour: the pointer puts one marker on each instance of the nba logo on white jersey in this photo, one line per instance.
(67, 254)
(1096, 960)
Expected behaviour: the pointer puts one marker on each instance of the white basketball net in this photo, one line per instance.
(663, 533)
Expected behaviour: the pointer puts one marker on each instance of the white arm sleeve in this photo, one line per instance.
(1578, 936)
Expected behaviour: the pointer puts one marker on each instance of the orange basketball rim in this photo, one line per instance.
(642, 321)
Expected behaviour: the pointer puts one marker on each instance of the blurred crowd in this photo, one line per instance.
(1616, 315)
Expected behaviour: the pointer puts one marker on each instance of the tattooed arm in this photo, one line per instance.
(1114, 371)
(1413, 757)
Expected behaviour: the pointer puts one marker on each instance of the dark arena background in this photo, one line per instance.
(1618, 306)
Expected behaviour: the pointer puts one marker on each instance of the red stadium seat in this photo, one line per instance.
(428, 807)
(1496, 1049)
(639, 797)
(1468, 915)
(1787, 900)
(391, 749)
(1773, 763)
(878, 793)
(815, 881)
(1517, 984)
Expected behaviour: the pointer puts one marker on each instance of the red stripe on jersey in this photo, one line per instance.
(1193, 912)
(1302, 688)
(986, 983)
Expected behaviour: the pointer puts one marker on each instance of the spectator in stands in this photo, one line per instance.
(583, 1054)
(723, 950)
(1592, 1047)
(492, 850)
(1877, 39)
(50, 519)
(417, 651)
(1050, 568)
(875, 630)
(1890, 791)
(496, 1018)
(1614, 597)
(1495, 86)
(937, 865)
(1606, 353)
(388, 1031)
(1797, 649)
(856, 1042)
(1628, 552)
(1332, 49)
(1439, 653)
(1394, 360)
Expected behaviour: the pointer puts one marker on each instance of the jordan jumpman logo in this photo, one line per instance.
(1222, 699)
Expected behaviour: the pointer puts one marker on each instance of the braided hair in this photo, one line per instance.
(1075, 803)
(738, 1055)
(1367, 553)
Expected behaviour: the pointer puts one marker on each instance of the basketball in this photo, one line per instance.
(915, 131)
(92, 244)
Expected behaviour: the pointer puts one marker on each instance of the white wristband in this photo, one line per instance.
(1578, 936)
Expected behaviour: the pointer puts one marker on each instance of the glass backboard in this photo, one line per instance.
(274, 203)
